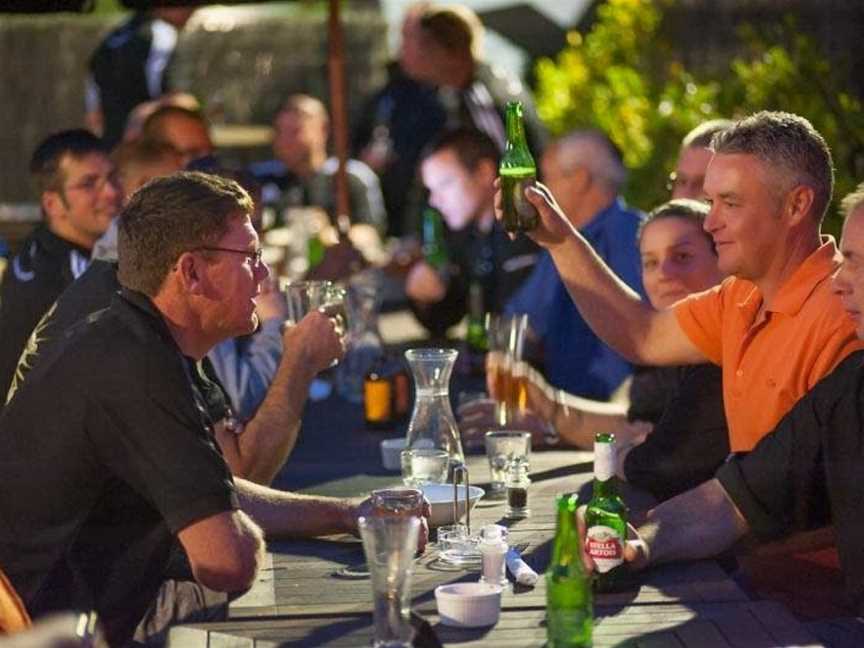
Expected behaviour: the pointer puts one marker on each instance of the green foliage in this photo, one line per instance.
(623, 78)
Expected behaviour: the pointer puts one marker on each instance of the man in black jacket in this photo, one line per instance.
(458, 170)
(79, 197)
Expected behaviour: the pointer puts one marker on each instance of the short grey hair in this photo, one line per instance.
(852, 201)
(787, 143)
(593, 150)
(701, 136)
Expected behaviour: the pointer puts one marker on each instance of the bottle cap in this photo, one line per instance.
(493, 533)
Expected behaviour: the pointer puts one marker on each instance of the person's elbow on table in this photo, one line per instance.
(225, 550)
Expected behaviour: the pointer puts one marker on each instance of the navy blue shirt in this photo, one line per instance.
(575, 359)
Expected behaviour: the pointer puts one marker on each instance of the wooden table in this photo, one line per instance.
(299, 600)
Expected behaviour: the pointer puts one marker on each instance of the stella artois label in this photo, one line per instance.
(605, 547)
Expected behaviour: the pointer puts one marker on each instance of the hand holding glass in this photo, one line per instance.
(303, 297)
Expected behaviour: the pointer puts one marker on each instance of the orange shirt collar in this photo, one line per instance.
(793, 294)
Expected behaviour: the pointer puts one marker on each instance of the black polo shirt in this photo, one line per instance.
(90, 293)
(689, 441)
(809, 471)
(105, 455)
(34, 279)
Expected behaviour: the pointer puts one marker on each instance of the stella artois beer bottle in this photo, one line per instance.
(606, 518)
(569, 609)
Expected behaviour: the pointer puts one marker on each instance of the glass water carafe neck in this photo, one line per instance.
(431, 368)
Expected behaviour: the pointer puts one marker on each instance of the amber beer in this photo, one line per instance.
(606, 518)
(511, 389)
(518, 400)
(517, 172)
(519, 214)
(501, 378)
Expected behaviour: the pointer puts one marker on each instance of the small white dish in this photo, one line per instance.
(391, 453)
(468, 605)
(440, 498)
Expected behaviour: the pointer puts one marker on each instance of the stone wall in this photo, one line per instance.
(240, 74)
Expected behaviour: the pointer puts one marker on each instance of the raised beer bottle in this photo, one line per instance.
(606, 519)
(569, 609)
(517, 171)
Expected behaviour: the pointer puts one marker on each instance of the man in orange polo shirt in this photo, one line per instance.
(774, 325)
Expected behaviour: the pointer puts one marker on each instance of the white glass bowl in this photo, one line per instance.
(468, 605)
(440, 497)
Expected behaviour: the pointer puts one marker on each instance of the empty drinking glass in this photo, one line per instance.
(389, 544)
(502, 447)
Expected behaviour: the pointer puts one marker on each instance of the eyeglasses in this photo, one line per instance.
(254, 256)
(690, 183)
(95, 183)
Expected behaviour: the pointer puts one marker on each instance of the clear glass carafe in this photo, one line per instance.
(432, 422)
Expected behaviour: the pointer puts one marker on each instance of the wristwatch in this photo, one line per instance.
(550, 435)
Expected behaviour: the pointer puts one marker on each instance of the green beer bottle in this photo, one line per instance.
(517, 171)
(434, 248)
(476, 334)
(569, 610)
(606, 519)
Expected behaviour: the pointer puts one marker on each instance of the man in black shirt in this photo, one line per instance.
(79, 198)
(130, 66)
(802, 476)
(459, 169)
(102, 485)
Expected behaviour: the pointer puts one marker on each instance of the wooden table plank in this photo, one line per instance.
(700, 625)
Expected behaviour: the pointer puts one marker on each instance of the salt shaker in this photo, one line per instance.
(516, 482)
(493, 549)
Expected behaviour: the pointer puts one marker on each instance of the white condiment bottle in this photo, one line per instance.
(493, 549)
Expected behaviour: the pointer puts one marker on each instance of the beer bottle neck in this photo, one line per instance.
(605, 488)
(515, 129)
(566, 549)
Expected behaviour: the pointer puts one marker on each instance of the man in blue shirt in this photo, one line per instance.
(585, 172)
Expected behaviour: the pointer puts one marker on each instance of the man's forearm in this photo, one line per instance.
(283, 514)
(697, 524)
(611, 308)
(269, 437)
